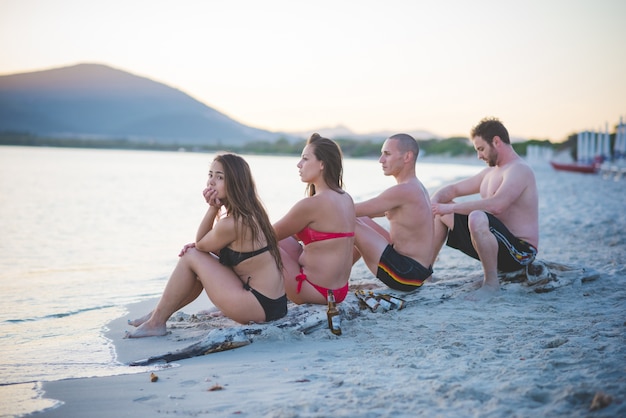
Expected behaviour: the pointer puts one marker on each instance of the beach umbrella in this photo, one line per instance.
(622, 141)
(589, 150)
(606, 144)
(618, 140)
(582, 151)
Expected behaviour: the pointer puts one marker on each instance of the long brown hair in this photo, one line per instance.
(244, 205)
(327, 151)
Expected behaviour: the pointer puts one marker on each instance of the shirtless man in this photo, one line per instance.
(397, 257)
(501, 229)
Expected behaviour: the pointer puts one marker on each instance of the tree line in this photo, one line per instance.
(451, 147)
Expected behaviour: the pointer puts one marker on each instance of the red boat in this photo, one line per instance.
(575, 167)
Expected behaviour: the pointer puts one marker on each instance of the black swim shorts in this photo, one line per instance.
(513, 253)
(400, 272)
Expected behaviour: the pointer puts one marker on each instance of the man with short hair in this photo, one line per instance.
(501, 229)
(401, 257)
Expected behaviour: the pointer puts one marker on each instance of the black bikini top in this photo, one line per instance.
(231, 258)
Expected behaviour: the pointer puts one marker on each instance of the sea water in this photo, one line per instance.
(83, 233)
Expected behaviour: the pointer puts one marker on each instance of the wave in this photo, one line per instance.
(57, 315)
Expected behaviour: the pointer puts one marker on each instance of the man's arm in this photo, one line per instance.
(466, 187)
(514, 182)
(377, 206)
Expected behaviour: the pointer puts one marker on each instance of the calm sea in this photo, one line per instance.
(83, 233)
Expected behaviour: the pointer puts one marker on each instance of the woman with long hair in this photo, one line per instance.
(316, 236)
(235, 258)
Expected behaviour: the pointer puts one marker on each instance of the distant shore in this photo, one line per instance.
(443, 148)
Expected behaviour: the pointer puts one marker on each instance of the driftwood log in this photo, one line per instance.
(300, 318)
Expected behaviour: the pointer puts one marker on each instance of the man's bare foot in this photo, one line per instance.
(146, 330)
(483, 294)
(139, 321)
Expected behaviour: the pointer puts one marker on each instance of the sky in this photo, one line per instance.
(546, 68)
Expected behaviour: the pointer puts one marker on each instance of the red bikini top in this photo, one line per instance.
(309, 235)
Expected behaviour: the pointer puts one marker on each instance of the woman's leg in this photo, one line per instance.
(291, 248)
(225, 289)
(196, 270)
(191, 297)
(290, 251)
(179, 290)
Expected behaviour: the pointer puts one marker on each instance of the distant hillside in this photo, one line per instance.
(97, 101)
(343, 132)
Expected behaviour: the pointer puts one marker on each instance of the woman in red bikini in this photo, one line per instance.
(316, 236)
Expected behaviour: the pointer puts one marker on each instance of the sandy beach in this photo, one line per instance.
(559, 351)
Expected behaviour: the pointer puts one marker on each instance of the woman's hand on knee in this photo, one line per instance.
(186, 248)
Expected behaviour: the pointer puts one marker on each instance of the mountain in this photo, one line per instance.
(94, 101)
(344, 132)
(97, 101)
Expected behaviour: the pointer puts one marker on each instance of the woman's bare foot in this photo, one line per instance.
(139, 321)
(147, 330)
